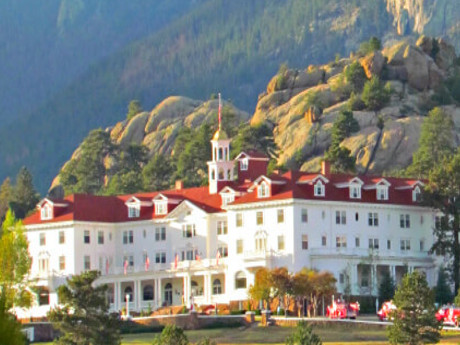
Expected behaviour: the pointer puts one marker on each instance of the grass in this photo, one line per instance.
(332, 334)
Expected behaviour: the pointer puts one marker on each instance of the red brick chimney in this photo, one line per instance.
(179, 184)
(325, 167)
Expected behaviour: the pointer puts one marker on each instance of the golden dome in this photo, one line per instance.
(220, 135)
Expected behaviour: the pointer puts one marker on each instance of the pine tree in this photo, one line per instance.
(443, 291)
(375, 95)
(303, 335)
(156, 174)
(134, 108)
(435, 143)
(84, 319)
(171, 335)
(25, 197)
(386, 288)
(414, 319)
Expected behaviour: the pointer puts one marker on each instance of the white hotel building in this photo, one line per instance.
(161, 248)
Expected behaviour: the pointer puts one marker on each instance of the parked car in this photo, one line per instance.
(449, 315)
(385, 310)
(342, 310)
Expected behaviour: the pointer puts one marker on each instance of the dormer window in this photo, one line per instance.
(416, 194)
(263, 190)
(319, 189)
(134, 211)
(244, 164)
(227, 198)
(382, 193)
(46, 212)
(161, 207)
(355, 191)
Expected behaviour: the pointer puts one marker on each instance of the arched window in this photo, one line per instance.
(226, 154)
(240, 280)
(216, 287)
(229, 174)
(129, 292)
(221, 154)
(168, 294)
(221, 174)
(43, 296)
(196, 289)
(148, 293)
(319, 189)
(263, 190)
(261, 241)
(416, 194)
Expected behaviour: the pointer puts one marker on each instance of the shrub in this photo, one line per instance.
(355, 102)
(369, 46)
(375, 94)
(171, 335)
(303, 335)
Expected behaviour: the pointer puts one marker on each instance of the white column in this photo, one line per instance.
(139, 295)
(118, 296)
(115, 296)
(374, 279)
(354, 280)
(159, 296)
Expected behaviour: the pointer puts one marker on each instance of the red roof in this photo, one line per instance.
(295, 185)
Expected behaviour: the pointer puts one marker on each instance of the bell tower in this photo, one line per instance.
(220, 169)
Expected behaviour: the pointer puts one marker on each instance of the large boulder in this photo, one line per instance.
(416, 63)
(425, 44)
(134, 131)
(373, 64)
(395, 53)
(445, 57)
(309, 78)
(436, 75)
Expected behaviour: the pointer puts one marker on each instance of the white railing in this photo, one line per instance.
(365, 252)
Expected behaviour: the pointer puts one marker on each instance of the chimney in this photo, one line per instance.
(179, 185)
(325, 167)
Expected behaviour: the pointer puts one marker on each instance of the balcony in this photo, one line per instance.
(254, 259)
(366, 253)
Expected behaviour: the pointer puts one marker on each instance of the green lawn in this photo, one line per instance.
(332, 334)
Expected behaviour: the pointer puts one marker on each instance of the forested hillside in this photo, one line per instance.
(229, 46)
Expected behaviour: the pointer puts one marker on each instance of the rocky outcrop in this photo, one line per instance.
(373, 64)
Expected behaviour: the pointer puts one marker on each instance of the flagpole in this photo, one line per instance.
(220, 112)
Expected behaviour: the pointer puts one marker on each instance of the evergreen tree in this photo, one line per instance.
(6, 195)
(127, 183)
(25, 197)
(156, 174)
(257, 137)
(368, 47)
(443, 194)
(386, 288)
(414, 319)
(303, 335)
(355, 76)
(435, 143)
(84, 319)
(171, 335)
(134, 108)
(339, 156)
(375, 95)
(443, 293)
(133, 158)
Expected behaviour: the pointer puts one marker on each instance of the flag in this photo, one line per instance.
(176, 260)
(218, 257)
(198, 257)
(220, 111)
(147, 263)
(125, 267)
(107, 265)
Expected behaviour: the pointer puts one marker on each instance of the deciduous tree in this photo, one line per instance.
(262, 288)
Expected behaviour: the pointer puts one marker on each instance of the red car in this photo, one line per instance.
(342, 310)
(449, 315)
(384, 312)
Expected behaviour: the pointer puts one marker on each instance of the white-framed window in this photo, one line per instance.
(388, 244)
(222, 227)
(86, 262)
(223, 250)
(304, 241)
(382, 192)
(341, 217)
(188, 230)
(259, 217)
(43, 265)
(61, 237)
(324, 240)
(160, 234)
(422, 245)
(357, 242)
(161, 207)
(239, 246)
(304, 215)
(216, 287)
(61, 263)
(86, 237)
(244, 163)
(373, 243)
(405, 245)
(281, 242)
(160, 258)
(416, 194)
(239, 220)
(134, 210)
(341, 241)
(240, 280)
(128, 237)
(373, 219)
(100, 237)
(42, 238)
(188, 254)
(355, 191)
(319, 189)
(227, 198)
(46, 212)
(280, 215)
(261, 241)
(404, 221)
(263, 190)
